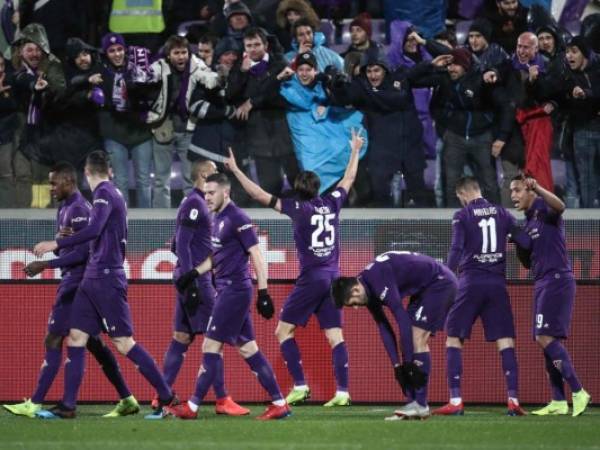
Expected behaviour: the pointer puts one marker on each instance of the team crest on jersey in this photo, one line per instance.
(221, 225)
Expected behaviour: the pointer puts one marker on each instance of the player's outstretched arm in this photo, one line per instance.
(253, 189)
(264, 303)
(552, 200)
(356, 143)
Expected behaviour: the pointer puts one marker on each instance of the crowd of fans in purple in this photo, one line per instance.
(187, 80)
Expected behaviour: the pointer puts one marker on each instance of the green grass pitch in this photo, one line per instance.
(310, 427)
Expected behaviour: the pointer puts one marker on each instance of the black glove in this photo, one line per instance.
(264, 304)
(192, 300)
(414, 375)
(185, 280)
(401, 379)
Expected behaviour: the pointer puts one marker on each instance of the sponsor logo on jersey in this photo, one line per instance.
(244, 227)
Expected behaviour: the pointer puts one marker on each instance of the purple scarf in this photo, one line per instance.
(536, 61)
(33, 110)
(259, 68)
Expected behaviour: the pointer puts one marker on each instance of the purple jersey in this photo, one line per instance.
(479, 235)
(548, 242)
(107, 230)
(192, 233)
(232, 236)
(74, 213)
(316, 229)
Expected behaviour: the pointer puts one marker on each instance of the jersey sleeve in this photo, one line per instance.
(290, 207)
(245, 232)
(458, 242)
(336, 198)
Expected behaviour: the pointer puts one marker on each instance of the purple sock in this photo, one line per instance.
(511, 371)
(208, 373)
(454, 370)
(560, 359)
(293, 360)
(219, 382)
(48, 373)
(148, 368)
(340, 366)
(556, 380)
(109, 364)
(173, 361)
(74, 368)
(423, 361)
(264, 372)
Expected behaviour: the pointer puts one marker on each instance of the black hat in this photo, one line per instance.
(237, 8)
(227, 44)
(483, 27)
(306, 58)
(582, 45)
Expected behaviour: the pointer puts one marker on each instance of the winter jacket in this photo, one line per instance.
(325, 56)
(321, 142)
(197, 72)
(283, 29)
(470, 106)
(514, 26)
(265, 133)
(9, 121)
(583, 113)
(399, 30)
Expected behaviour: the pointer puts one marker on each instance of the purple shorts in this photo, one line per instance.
(428, 308)
(311, 295)
(59, 322)
(487, 299)
(195, 324)
(230, 322)
(101, 306)
(554, 297)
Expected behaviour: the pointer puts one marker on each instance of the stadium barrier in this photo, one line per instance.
(364, 234)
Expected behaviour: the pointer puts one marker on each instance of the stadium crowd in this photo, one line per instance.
(281, 84)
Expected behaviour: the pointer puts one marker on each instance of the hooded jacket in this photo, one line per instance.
(399, 31)
(325, 56)
(283, 29)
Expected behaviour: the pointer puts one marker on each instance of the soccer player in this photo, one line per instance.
(193, 305)
(233, 241)
(73, 215)
(554, 289)
(478, 254)
(100, 303)
(431, 287)
(316, 234)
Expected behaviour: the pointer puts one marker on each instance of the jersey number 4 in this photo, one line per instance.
(488, 235)
(324, 234)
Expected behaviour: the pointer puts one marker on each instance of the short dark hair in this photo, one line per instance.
(302, 22)
(220, 178)
(307, 185)
(98, 162)
(467, 184)
(340, 290)
(176, 41)
(65, 170)
(258, 32)
(520, 177)
(197, 166)
(209, 38)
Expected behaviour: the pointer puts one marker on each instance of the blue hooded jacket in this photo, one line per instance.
(325, 56)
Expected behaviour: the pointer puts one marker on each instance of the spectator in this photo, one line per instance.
(320, 132)
(489, 54)
(11, 162)
(395, 137)
(179, 73)
(237, 18)
(361, 47)
(468, 117)
(552, 49)
(509, 21)
(121, 127)
(533, 112)
(39, 83)
(405, 51)
(288, 12)
(307, 40)
(253, 88)
(206, 48)
(582, 93)
(76, 116)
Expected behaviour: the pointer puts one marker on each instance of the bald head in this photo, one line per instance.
(200, 171)
(527, 47)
